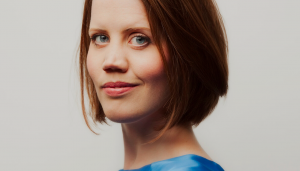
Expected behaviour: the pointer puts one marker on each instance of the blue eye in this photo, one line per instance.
(101, 38)
(139, 39)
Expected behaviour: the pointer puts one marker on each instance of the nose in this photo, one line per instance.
(115, 60)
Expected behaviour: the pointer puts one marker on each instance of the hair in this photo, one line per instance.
(197, 69)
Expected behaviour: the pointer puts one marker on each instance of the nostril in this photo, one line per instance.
(113, 70)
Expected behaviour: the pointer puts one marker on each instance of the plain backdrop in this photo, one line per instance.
(256, 127)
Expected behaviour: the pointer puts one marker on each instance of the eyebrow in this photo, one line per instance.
(124, 31)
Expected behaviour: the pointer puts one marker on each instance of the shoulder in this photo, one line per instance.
(189, 162)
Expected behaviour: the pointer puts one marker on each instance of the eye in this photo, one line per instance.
(137, 40)
(99, 39)
(140, 40)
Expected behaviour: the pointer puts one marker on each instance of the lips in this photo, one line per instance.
(118, 88)
(118, 84)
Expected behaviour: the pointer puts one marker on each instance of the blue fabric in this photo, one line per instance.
(189, 162)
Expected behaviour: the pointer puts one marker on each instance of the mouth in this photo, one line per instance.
(118, 84)
(118, 88)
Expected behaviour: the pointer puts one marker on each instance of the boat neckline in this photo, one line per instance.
(185, 155)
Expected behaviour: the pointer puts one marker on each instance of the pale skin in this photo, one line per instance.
(119, 54)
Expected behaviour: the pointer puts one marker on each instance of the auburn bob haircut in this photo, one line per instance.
(197, 68)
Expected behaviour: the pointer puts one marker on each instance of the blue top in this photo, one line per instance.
(189, 162)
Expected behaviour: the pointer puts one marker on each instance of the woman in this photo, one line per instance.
(158, 67)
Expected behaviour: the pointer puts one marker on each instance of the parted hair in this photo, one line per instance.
(197, 69)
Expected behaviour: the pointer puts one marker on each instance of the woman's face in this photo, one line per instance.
(123, 62)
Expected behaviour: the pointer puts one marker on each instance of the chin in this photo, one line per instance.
(123, 117)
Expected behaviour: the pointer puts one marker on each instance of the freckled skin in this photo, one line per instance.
(142, 66)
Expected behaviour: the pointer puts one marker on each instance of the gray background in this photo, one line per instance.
(41, 126)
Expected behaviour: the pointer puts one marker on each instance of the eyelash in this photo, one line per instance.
(147, 39)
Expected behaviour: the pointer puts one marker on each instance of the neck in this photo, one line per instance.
(177, 141)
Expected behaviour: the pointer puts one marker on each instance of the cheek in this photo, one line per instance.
(92, 64)
(150, 68)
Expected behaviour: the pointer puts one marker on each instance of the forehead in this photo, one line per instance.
(118, 14)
